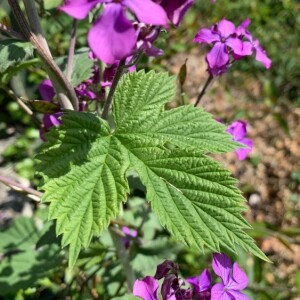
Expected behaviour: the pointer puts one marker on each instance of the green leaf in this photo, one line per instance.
(84, 165)
(82, 66)
(84, 171)
(138, 110)
(42, 106)
(13, 52)
(20, 235)
(194, 197)
(49, 4)
(22, 265)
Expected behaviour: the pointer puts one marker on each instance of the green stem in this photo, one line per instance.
(203, 91)
(123, 257)
(113, 88)
(71, 50)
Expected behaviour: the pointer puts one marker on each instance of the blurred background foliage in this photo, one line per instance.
(276, 23)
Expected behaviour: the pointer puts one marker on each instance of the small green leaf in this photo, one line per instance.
(49, 4)
(42, 106)
(182, 74)
(82, 66)
(13, 52)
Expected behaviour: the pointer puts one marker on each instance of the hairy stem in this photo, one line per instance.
(18, 187)
(34, 23)
(203, 91)
(123, 257)
(71, 50)
(113, 88)
(62, 86)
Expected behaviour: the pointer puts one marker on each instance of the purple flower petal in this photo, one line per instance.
(129, 232)
(147, 11)
(194, 282)
(205, 280)
(238, 129)
(218, 292)
(242, 29)
(243, 153)
(46, 90)
(236, 295)
(112, 37)
(202, 282)
(176, 9)
(236, 45)
(226, 28)
(239, 278)
(217, 57)
(261, 56)
(206, 36)
(146, 288)
(221, 265)
(79, 9)
(51, 120)
(167, 291)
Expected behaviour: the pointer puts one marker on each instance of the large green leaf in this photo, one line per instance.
(84, 164)
(193, 196)
(139, 110)
(84, 171)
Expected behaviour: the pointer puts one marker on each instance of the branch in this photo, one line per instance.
(34, 23)
(62, 86)
(11, 32)
(20, 188)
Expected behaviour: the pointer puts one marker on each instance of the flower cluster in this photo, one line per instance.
(230, 43)
(233, 280)
(114, 36)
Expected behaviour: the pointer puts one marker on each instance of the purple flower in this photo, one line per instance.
(165, 268)
(130, 233)
(146, 36)
(146, 288)
(46, 90)
(253, 44)
(234, 279)
(238, 130)
(113, 36)
(223, 37)
(176, 9)
(47, 93)
(201, 284)
(172, 286)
